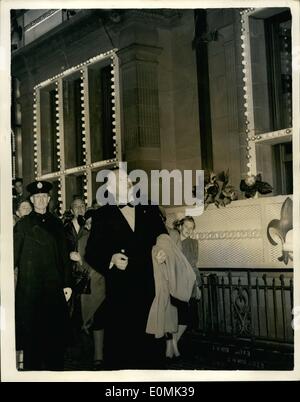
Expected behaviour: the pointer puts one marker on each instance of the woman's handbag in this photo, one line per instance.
(82, 282)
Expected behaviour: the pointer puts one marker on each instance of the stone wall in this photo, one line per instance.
(236, 235)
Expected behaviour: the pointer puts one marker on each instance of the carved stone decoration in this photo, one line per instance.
(279, 230)
(241, 311)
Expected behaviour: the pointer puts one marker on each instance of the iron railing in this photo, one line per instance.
(247, 304)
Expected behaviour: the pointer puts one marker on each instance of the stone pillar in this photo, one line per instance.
(139, 75)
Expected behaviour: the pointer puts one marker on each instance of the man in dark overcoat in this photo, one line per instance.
(43, 285)
(120, 247)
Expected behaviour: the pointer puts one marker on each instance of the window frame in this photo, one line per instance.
(271, 137)
(88, 167)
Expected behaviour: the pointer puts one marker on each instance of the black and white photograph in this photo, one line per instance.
(150, 181)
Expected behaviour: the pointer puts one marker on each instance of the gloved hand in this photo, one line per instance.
(120, 260)
(76, 257)
(161, 257)
(67, 293)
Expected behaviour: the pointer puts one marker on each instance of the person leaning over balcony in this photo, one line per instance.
(43, 286)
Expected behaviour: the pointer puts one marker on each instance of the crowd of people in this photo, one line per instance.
(117, 273)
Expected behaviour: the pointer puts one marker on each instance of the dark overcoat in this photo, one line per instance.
(40, 253)
(129, 292)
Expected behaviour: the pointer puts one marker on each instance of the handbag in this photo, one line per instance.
(82, 282)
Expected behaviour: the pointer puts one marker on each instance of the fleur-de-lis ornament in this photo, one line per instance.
(281, 228)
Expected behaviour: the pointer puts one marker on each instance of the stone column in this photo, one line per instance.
(139, 74)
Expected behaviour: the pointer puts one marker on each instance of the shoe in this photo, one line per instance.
(98, 365)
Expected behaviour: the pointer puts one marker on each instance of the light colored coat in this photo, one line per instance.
(174, 277)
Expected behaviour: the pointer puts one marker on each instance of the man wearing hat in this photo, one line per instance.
(43, 286)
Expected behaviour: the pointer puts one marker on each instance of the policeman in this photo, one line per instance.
(43, 286)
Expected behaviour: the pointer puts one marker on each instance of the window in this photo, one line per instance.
(76, 120)
(283, 160)
(267, 61)
(278, 44)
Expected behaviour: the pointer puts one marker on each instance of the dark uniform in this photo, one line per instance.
(42, 318)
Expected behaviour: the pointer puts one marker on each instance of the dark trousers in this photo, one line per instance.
(40, 355)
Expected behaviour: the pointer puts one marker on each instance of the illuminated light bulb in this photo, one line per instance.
(248, 156)
(248, 148)
(114, 137)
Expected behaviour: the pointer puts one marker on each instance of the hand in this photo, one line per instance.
(198, 293)
(120, 261)
(161, 257)
(75, 256)
(67, 293)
